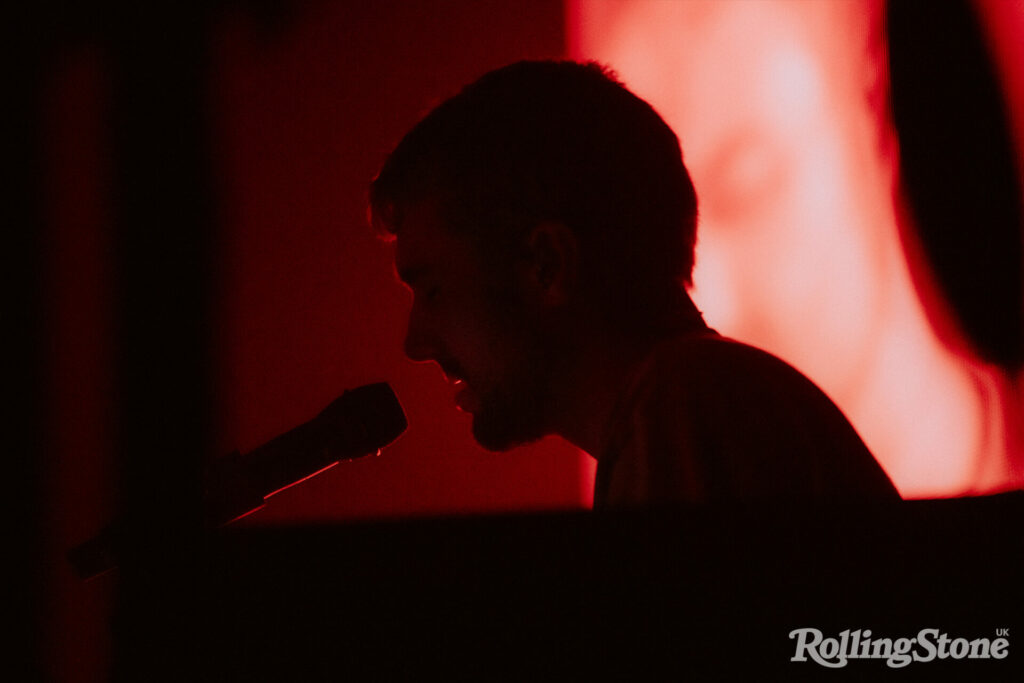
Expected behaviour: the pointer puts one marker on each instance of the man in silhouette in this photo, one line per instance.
(545, 223)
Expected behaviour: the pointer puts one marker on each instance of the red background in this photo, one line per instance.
(304, 102)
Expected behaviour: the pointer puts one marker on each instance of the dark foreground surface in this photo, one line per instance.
(655, 595)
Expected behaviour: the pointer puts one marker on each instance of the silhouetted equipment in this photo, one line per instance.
(669, 594)
(360, 422)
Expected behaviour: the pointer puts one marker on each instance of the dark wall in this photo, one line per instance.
(205, 278)
(305, 111)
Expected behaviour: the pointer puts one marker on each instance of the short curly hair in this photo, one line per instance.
(562, 141)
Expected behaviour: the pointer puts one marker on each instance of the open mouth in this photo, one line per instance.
(463, 394)
(463, 397)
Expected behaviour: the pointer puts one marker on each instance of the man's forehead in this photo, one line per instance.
(424, 241)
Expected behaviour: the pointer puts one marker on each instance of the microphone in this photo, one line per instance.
(359, 422)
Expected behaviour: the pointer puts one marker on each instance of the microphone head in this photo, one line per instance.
(362, 420)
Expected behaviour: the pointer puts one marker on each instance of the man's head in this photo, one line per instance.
(541, 191)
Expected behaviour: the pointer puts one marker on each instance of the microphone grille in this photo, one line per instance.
(373, 410)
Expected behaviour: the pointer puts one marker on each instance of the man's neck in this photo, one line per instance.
(592, 388)
(596, 376)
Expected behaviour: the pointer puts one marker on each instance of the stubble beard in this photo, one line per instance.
(518, 409)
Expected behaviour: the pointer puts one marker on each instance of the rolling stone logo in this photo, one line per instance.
(927, 646)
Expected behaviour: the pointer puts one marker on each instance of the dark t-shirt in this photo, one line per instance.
(710, 420)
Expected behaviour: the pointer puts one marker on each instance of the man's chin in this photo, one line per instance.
(500, 435)
(491, 440)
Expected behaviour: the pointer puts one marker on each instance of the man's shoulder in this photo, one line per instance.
(709, 362)
(709, 418)
(724, 386)
(703, 387)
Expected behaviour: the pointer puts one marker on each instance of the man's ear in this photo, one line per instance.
(551, 263)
